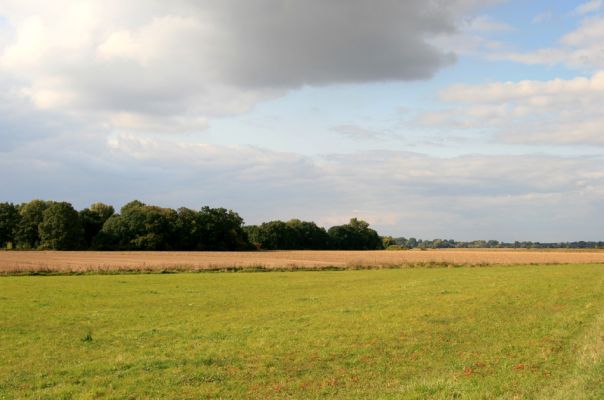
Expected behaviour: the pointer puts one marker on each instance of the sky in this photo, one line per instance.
(456, 119)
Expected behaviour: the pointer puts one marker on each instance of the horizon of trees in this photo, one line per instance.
(53, 225)
(413, 243)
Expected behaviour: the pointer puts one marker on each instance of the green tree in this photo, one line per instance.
(388, 241)
(309, 236)
(356, 235)
(60, 228)
(276, 235)
(139, 227)
(221, 229)
(188, 232)
(27, 235)
(9, 219)
(253, 235)
(411, 243)
(93, 219)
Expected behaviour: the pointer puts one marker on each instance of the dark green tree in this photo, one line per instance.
(27, 235)
(112, 236)
(221, 229)
(60, 228)
(253, 235)
(309, 236)
(139, 227)
(93, 219)
(9, 219)
(356, 235)
(276, 235)
(188, 234)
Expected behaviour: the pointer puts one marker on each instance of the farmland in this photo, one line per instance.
(514, 332)
(67, 262)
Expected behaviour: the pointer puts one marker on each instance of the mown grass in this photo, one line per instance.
(500, 332)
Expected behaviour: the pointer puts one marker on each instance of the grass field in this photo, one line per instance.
(12, 262)
(515, 332)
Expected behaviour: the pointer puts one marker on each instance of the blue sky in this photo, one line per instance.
(452, 119)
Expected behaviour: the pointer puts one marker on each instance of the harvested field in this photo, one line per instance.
(88, 261)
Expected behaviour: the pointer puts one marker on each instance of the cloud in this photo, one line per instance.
(588, 7)
(581, 49)
(87, 88)
(472, 37)
(355, 132)
(484, 23)
(185, 62)
(554, 112)
(544, 16)
(532, 197)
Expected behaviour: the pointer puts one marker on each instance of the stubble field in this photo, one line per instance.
(89, 261)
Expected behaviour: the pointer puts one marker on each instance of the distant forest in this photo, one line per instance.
(55, 225)
(412, 243)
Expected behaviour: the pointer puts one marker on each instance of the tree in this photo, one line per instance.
(309, 236)
(27, 235)
(276, 235)
(221, 229)
(60, 228)
(93, 219)
(356, 235)
(139, 227)
(9, 219)
(188, 235)
(388, 241)
(253, 235)
(411, 243)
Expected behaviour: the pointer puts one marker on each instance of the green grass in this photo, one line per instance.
(460, 333)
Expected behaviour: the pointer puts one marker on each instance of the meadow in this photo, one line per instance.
(512, 332)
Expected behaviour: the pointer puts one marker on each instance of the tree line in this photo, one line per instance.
(413, 243)
(53, 225)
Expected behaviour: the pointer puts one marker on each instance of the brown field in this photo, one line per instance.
(12, 262)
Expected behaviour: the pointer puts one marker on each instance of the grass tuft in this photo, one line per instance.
(87, 338)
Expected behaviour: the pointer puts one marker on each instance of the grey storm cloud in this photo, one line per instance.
(292, 43)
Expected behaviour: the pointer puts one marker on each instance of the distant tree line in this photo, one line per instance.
(55, 225)
(413, 243)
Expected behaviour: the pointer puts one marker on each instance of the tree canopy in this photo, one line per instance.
(93, 219)
(356, 235)
(42, 224)
(61, 228)
(9, 220)
(27, 234)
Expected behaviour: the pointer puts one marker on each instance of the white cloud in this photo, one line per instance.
(581, 49)
(544, 16)
(590, 33)
(472, 37)
(484, 23)
(559, 111)
(356, 132)
(117, 63)
(588, 7)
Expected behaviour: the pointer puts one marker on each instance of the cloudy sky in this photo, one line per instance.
(461, 119)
